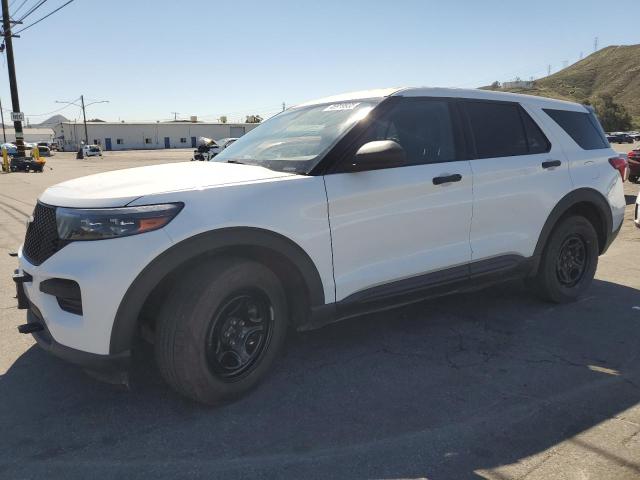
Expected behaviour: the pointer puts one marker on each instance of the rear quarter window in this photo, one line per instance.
(582, 127)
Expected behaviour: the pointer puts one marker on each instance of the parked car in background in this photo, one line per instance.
(44, 151)
(635, 136)
(12, 149)
(334, 208)
(207, 149)
(225, 142)
(633, 159)
(50, 145)
(92, 151)
(619, 137)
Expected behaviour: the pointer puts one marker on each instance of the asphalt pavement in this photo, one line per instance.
(492, 384)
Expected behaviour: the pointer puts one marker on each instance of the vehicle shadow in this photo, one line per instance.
(630, 199)
(440, 389)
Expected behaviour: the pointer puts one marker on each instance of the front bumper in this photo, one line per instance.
(91, 361)
(102, 271)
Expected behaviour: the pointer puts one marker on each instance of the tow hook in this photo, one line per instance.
(30, 327)
(20, 278)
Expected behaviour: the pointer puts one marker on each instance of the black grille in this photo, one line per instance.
(42, 239)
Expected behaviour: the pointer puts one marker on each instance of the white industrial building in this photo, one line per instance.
(151, 135)
(30, 134)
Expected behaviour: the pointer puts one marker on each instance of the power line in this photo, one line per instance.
(41, 19)
(19, 6)
(44, 114)
(31, 10)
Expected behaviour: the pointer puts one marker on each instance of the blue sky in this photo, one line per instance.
(210, 58)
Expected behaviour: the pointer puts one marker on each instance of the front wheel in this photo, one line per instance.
(221, 329)
(569, 261)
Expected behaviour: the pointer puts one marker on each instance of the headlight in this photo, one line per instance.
(102, 223)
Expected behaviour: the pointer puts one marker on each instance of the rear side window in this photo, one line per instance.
(497, 129)
(583, 128)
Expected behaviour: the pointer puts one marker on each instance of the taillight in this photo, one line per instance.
(621, 165)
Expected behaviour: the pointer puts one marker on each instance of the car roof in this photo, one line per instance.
(542, 102)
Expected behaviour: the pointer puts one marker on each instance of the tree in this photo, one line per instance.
(612, 115)
(253, 119)
(223, 119)
(495, 85)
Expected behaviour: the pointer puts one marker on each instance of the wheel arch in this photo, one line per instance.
(586, 202)
(286, 258)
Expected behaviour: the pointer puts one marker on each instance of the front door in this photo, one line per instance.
(167, 142)
(394, 224)
(107, 144)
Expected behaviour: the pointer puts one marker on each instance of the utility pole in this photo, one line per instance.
(548, 70)
(84, 116)
(175, 116)
(284, 106)
(595, 45)
(13, 84)
(4, 133)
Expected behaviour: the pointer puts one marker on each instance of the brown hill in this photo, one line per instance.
(614, 70)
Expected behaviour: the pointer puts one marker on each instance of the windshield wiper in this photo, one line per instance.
(237, 162)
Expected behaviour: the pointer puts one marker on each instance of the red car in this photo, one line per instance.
(633, 159)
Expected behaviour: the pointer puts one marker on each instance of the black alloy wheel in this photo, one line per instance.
(239, 333)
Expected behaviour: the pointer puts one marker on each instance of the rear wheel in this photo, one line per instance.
(221, 329)
(633, 178)
(569, 261)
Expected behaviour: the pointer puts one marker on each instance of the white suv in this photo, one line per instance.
(337, 207)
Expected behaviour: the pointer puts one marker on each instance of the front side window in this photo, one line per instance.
(497, 129)
(422, 127)
(297, 139)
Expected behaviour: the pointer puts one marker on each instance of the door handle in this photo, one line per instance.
(551, 163)
(456, 177)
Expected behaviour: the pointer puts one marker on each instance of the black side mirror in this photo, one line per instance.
(378, 155)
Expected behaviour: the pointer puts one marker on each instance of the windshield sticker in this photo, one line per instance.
(341, 106)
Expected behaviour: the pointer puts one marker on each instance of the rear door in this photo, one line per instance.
(519, 175)
(397, 224)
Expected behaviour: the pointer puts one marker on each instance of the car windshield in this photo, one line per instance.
(296, 139)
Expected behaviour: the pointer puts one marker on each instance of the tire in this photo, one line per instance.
(559, 278)
(633, 179)
(196, 318)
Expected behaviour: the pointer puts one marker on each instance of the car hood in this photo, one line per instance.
(120, 187)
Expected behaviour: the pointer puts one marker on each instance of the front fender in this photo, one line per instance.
(126, 320)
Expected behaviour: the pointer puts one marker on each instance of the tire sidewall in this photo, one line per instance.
(550, 283)
(190, 346)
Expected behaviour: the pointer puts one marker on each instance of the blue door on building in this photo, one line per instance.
(194, 142)
(167, 142)
(107, 144)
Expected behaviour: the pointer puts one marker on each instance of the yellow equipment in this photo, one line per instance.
(5, 160)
